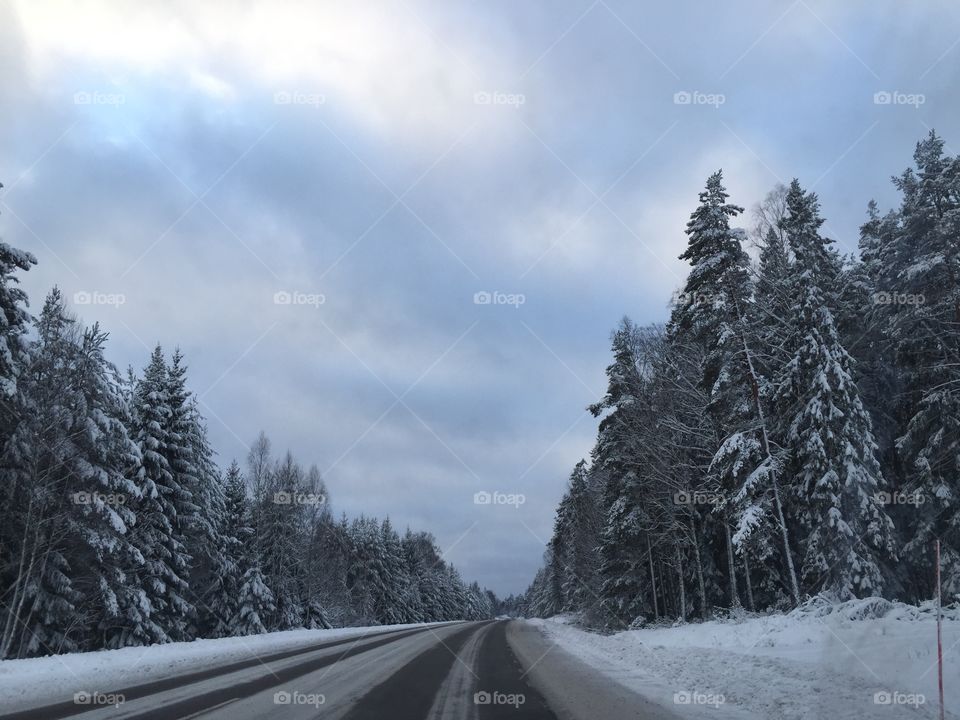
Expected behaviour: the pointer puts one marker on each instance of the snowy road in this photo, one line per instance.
(458, 670)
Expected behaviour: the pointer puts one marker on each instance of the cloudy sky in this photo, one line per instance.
(393, 159)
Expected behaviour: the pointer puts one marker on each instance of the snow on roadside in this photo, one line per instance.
(41, 681)
(862, 659)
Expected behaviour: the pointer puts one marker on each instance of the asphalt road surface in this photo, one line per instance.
(471, 671)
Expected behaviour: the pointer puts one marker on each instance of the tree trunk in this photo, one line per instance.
(784, 533)
(653, 581)
(704, 606)
(746, 576)
(683, 591)
(734, 595)
(21, 582)
(666, 596)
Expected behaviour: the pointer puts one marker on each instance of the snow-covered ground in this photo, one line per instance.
(858, 660)
(40, 681)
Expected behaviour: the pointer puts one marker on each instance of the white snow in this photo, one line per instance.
(41, 681)
(841, 662)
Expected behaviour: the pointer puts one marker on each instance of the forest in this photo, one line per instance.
(791, 434)
(118, 527)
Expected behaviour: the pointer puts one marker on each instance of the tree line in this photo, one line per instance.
(118, 528)
(793, 429)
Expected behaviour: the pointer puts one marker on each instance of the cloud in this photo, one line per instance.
(379, 62)
(385, 186)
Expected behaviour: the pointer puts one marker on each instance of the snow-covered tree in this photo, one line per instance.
(256, 602)
(70, 456)
(847, 533)
(621, 540)
(159, 535)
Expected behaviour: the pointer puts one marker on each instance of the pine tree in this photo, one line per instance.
(236, 535)
(925, 252)
(256, 602)
(390, 608)
(576, 526)
(159, 534)
(847, 532)
(103, 466)
(714, 315)
(318, 526)
(44, 599)
(366, 576)
(615, 454)
(72, 455)
(14, 507)
(14, 321)
(283, 540)
(200, 504)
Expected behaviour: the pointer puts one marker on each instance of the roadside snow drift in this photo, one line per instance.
(41, 681)
(857, 660)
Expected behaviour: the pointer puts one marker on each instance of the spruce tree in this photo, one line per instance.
(160, 536)
(847, 533)
(925, 328)
(615, 454)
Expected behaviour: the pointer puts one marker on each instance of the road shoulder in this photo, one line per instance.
(574, 690)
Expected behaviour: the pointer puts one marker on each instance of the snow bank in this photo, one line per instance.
(41, 681)
(863, 659)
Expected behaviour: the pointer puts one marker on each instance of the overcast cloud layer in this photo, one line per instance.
(396, 158)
